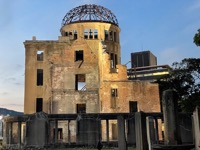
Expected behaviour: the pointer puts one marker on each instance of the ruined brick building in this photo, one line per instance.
(81, 72)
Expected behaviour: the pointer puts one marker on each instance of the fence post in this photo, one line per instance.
(140, 130)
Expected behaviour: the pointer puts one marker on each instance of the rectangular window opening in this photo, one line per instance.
(95, 34)
(39, 77)
(80, 84)
(59, 134)
(115, 37)
(79, 55)
(40, 54)
(75, 35)
(106, 34)
(112, 62)
(66, 34)
(116, 62)
(81, 108)
(111, 35)
(114, 95)
(86, 34)
(39, 104)
(91, 34)
(133, 106)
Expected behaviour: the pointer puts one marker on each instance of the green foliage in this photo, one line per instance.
(184, 78)
(197, 38)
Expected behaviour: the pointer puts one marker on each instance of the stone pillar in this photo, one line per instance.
(121, 133)
(19, 135)
(88, 132)
(170, 114)
(131, 131)
(36, 131)
(196, 122)
(140, 130)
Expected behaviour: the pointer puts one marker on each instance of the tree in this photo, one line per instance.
(197, 38)
(184, 78)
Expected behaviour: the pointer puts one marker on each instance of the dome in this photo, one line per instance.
(89, 13)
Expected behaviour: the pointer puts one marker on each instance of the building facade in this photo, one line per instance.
(81, 72)
(142, 59)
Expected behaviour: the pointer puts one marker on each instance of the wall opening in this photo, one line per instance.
(114, 131)
(95, 34)
(111, 35)
(80, 82)
(59, 134)
(79, 55)
(39, 104)
(39, 77)
(114, 95)
(91, 34)
(81, 108)
(106, 34)
(86, 34)
(75, 35)
(40, 54)
(133, 106)
(115, 37)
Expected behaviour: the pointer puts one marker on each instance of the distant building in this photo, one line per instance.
(144, 67)
(143, 58)
(148, 73)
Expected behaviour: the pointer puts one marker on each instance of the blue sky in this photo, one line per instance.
(165, 27)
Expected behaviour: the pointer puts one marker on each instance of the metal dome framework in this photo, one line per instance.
(89, 13)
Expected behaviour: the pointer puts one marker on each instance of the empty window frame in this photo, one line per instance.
(75, 35)
(115, 36)
(40, 54)
(95, 34)
(66, 34)
(86, 34)
(80, 84)
(79, 55)
(111, 35)
(39, 104)
(39, 77)
(106, 34)
(114, 95)
(113, 60)
(90, 34)
(133, 106)
(59, 134)
(81, 108)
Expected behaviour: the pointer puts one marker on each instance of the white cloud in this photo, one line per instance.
(194, 6)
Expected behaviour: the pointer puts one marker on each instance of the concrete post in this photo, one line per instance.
(56, 132)
(69, 132)
(140, 130)
(170, 114)
(121, 133)
(150, 131)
